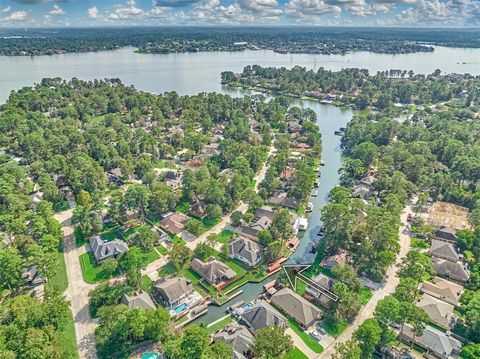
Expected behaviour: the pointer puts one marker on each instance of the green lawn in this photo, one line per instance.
(295, 353)
(79, 238)
(183, 206)
(419, 243)
(307, 339)
(225, 236)
(163, 251)
(219, 325)
(209, 223)
(67, 339)
(365, 295)
(90, 271)
(333, 330)
(59, 278)
(147, 284)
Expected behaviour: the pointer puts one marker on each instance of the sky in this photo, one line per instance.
(401, 13)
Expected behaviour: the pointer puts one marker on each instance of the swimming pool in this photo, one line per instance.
(151, 356)
(180, 308)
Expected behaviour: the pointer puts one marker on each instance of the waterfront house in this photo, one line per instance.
(246, 251)
(321, 289)
(297, 307)
(261, 315)
(453, 270)
(262, 220)
(238, 337)
(444, 250)
(171, 291)
(140, 300)
(443, 289)
(439, 312)
(437, 343)
(335, 260)
(213, 271)
(102, 250)
(361, 191)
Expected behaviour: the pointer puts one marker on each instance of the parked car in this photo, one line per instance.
(320, 329)
(315, 335)
(410, 217)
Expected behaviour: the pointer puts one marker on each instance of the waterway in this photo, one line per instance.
(192, 73)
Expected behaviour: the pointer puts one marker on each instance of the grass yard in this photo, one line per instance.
(209, 223)
(307, 339)
(219, 325)
(183, 206)
(67, 339)
(151, 256)
(365, 295)
(419, 243)
(225, 236)
(90, 271)
(80, 239)
(147, 284)
(334, 330)
(295, 353)
(59, 278)
(163, 251)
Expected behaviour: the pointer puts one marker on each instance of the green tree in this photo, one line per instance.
(195, 342)
(11, 264)
(470, 351)
(109, 266)
(219, 350)
(281, 227)
(369, 334)
(180, 255)
(271, 342)
(348, 350)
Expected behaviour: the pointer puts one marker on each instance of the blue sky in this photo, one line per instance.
(419, 13)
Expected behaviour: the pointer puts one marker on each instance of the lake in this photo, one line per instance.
(190, 73)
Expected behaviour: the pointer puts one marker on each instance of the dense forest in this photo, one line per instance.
(193, 39)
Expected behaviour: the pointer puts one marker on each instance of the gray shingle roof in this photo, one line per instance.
(102, 250)
(172, 289)
(443, 289)
(261, 315)
(140, 300)
(296, 306)
(443, 250)
(213, 271)
(247, 249)
(238, 337)
(437, 310)
(453, 270)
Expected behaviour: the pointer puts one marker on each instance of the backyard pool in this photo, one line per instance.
(152, 356)
(180, 308)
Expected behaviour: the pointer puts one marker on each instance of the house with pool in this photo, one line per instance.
(176, 294)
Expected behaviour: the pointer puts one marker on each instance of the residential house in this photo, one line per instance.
(447, 218)
(238, 337)
(32, 277)
(321, 289)
(335, 260)
(437, 343)
(443, 289)
(213, 271)
(444, 250)
(297, 307)
(280, 198)
(102, 250)
(174, 179)
(174, 223)
(439, 312)
(361, 191)
(116, 176)
(198, 209)
(294, 127)
(447, 234)
(246, 251)
(453, 270)
(262, 220)
(261, 315)
(171, 291)
(209, 151)
(140, 300)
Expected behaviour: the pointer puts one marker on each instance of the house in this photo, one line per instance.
(439, 312)
(335, 260)
(172, 290)
(361, 191)
(444, 250)
(32, 277)
(116, 176)
(102, 250)
(238, 337)
(174, 179)
(296, 307)
(443, 289)
(261, 315)
(437, 343)
(321, 290)
(447, 234)
(214, 271)
(198, 210)
(262, 220)
(453, 270)
(174, 222)
(245, 250)
(294, 127)
(140, 300)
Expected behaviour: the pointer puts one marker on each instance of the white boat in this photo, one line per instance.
(314, 193)
(302, 223)
(317, 183)
(309, 207)
(322, 163)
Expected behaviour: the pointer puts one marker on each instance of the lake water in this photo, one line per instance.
(191, 73)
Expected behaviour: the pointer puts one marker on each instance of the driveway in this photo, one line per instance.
(389, 287)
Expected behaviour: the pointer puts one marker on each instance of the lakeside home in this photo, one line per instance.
(213, 271)
(296, 307)
(246, 251)
(171, 291)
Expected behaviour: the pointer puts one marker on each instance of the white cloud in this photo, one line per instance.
(17, 16)
(125, 12)
(93, 13)
(57, 10)
(6, 9)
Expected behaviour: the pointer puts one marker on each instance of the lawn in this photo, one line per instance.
(59, 278)
(307, 339)
(163, 251)
(365, 295)
(334, 330)
(295, 353)
(67, 339)
(90, 271)
(147, 284)
(183, 206)
(225, 236)
(150, 257)
(209, 223)
(419, 243)
(219, 325)
(79, 238)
